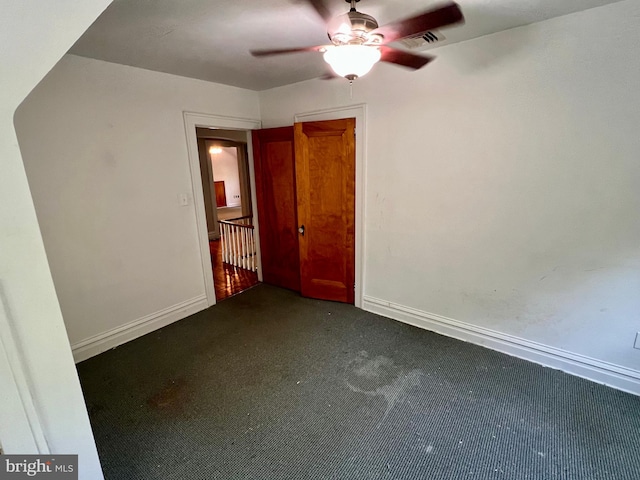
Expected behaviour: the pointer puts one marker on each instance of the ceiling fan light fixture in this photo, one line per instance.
(352, 61)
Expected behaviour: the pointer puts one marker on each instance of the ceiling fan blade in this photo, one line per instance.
(322, 9)
(280, 51)
(448, 14)
(406, 59)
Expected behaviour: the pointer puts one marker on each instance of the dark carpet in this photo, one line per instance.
(269, 385)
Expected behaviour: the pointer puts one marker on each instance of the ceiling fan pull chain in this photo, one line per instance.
(350, 89)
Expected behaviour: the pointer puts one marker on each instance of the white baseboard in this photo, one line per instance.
(112, 338)
(598, 371)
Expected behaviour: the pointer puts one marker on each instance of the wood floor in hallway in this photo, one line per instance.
(227, 279)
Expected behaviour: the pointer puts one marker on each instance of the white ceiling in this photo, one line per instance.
(211, 39)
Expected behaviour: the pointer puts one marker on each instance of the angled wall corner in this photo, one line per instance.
(32, 31)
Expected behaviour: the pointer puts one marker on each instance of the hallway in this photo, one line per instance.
(227, 279)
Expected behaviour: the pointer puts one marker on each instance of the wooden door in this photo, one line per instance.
(276, 197)
(221, 194)
(325, 190)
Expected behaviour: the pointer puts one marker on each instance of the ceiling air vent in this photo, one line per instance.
(423, 39)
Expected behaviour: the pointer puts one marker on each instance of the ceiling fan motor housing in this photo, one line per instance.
(353, 28)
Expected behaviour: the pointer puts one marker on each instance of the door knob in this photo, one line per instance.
(301, 229)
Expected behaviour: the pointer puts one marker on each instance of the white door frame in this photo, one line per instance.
(191, 121)
(359, 112)
(21, 430)
(214, 203)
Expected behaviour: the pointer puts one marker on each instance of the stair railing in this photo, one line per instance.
(238, 242)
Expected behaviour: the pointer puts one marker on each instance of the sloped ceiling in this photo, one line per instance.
(210, 39)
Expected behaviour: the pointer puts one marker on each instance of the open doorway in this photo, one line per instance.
(225, 177)
(226, 159)
(193, 120)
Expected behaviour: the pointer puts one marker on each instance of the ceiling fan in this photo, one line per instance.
(358, 43)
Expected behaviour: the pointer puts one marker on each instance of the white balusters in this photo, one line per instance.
(238, 243)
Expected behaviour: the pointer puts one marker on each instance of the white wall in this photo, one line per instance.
(106, 156)
(34, 35)
(225, 169)
(503, 182)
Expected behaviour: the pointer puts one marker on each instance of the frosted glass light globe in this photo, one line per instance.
(352, 61)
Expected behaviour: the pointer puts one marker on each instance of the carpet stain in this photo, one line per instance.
(94, 408)
(173, 396)
(374, 368)
(398, 383)
(426, 448)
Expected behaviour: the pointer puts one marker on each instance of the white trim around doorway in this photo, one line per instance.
(359, 112)
(191, 121)
(21, 428)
